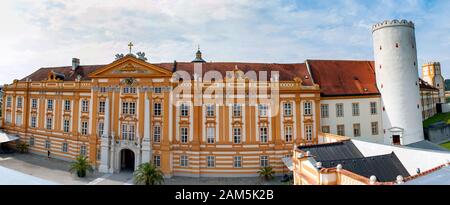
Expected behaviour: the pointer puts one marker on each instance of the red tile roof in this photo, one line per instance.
(67, 72)
(344, 77)
(286, 71)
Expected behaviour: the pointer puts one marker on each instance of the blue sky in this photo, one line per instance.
(50, 32)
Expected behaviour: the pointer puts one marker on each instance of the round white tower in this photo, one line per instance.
(397, 77)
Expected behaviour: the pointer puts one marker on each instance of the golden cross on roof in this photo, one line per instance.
(130, 45)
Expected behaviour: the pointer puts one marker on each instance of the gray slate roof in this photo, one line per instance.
(439, 177)
(333, 151)
(385, 167)
(425, 144)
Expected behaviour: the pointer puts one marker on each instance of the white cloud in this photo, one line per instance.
(51, 32)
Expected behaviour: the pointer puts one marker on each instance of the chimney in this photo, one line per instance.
(75, 63)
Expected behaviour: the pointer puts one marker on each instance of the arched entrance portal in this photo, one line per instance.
(126, 160)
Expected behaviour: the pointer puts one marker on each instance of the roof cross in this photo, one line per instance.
(130, 45)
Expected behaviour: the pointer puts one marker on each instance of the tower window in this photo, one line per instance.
(396, 45)
(380, 66)
(381, 48)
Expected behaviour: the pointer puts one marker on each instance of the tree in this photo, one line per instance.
(266, 173)
(22, 147)
(148, 174)
(81, 165)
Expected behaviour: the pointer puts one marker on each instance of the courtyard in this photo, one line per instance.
(56, 171)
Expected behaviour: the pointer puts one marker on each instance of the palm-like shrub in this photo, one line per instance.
(266, 173)
(148, 174)
(22, 147)
(81, 165)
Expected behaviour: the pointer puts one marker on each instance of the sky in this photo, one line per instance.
(49, 33)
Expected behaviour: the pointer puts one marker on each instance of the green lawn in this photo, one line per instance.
(446, 145)
(444, 117)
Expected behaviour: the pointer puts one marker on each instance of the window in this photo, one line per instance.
(209, 110)
(262, 109)
(341, 130)
(374, 126)
(355, 109)
(103, 89)
(66, 126)
(99, 153)
(263, 134)
(19, 119)
(84, 106)
(237, 135)
(33, 103)
(158, 89)
(210, 161)
(287, 109)
(326, 129)
(84, 128)
(157, 109)
(8, 118)
(184, 110)
(67, 105)
(237, 110)
(31, 141)
(157, 134)
(264, 161)
(101, 128)
(356, 130)
(308, 132)
(157, 160)
(125, 108)
(307, 106)
(8, 101)
(49, 105)
(48, 145)
(324, 111)
(33, 121)
(237, 163)
(373, 108)
(127, 90)
(101, 107)
(184, 161)
(131, 132)
(288, 133)
(340, 110)
(83, 150)
(184, 134)
(124, 131)
(210, 135)
(49, 123)
(132, 110)
(64, 147)
(19, 102)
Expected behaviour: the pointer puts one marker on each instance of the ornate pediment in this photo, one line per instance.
(130, 66)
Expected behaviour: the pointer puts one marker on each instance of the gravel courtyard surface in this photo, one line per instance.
(57, 171)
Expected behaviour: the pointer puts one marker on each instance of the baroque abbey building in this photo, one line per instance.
(219, 119)
(126, 113)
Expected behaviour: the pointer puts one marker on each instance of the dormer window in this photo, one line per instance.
(129, 90)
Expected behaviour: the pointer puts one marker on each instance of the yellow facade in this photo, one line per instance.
(148, 86)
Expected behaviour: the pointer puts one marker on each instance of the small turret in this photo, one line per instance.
(198, 57)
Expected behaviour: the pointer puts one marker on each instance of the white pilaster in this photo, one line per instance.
(146, 144)
(104, 162)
